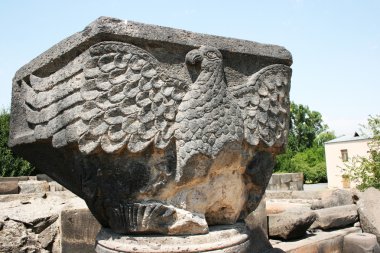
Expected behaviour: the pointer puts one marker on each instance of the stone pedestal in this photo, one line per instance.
(224, 238)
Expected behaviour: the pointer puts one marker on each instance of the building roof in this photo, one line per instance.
(346, 138)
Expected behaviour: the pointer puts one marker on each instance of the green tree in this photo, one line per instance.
(312, 163)
(366, 170)
(323, 137)
(305, 152)
(305, 125)
(10, 165)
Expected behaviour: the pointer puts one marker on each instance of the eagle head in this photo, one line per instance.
(209, 57)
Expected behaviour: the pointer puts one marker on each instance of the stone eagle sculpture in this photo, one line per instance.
(165, 134)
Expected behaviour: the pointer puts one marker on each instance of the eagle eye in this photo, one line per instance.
(211, 55)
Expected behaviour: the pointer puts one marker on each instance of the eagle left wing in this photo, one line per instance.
(113, 95)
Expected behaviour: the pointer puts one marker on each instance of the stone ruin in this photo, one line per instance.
(162, 132)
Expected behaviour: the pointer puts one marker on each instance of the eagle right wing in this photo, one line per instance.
(265, 106)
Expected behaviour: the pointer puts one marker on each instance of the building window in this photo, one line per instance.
(344, 155)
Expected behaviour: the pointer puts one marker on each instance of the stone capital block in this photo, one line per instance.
(159, 130)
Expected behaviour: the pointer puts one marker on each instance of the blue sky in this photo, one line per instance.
(335, 44)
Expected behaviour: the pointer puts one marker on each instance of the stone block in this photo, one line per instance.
(29, 223)
(286, 181)
(9, 187)
(290, 225)
(297, 177)
(286, 178)
(78, 230)
(360, 243)
(6, 179)
(369, 209)
(43, 177)
(284, 186)
(335, 217)
(306, 195)
(331, 198)
(300, 185)
(271, 194)
(279, 206)
(276, 179)
(293, 186)
(318, 242)
(32, 186)
(55, 187)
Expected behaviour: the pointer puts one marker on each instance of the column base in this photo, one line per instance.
(220, 239)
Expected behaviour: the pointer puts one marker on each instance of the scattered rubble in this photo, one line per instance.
(33, 186)
(360, 243)
(369, 209)
(338, 213)
(335, 217)
(29, 222)
(331, 198)
(290, 225)
(36, 222)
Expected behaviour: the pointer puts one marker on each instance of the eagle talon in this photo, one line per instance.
(155, 217)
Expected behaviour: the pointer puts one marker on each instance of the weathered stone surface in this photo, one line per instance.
(274, 250)
(335, 217)
(7, 179)
(310, 195)
(30, 223)
(286, 181)
(279, 206)
(257, 224)
(15, 237)
(360, 243)
(55, 187)
(79, 228)
(321, 241)
(233, 238)
(43, 177)
(159, 130)
(257, 220)
(331, 198)
(47, 236)
(32, 186)
(9, 187)
(287, 194)
(290, 225)
(369, 208)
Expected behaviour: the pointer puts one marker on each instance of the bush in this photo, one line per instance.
(311, 162)
(10, 165)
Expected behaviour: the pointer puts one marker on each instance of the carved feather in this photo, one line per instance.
(127, 86)
(114, 95)
(264, 102)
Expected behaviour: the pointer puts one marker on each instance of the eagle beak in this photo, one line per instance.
(194, 56)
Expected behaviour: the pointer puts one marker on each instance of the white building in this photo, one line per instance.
(340, 150)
